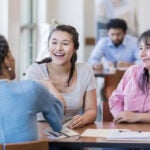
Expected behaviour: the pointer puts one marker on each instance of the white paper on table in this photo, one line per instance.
(128, 135)
(99, 132)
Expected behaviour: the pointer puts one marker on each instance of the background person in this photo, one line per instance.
(130, 101)
(20, 101)
(74, 81)
(118, 48)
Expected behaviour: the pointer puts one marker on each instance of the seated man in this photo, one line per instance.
(119, 49)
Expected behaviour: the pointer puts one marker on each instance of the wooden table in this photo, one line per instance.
(98, 142)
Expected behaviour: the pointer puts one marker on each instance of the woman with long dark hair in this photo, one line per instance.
(74, 81)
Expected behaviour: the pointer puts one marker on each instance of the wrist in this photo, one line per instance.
(138, 117)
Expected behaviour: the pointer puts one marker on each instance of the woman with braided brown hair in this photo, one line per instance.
(74, 81)
(18, 108)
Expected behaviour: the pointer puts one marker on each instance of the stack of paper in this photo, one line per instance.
(128, 135)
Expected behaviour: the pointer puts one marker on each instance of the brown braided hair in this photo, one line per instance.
(4, 48)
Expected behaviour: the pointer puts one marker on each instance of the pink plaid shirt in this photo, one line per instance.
(128, 96)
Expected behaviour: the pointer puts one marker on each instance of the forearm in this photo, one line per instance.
(116, 103)
(90, 116)
(143, 117)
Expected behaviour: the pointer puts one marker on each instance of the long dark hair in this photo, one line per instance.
(75, 37)
(4, 48)
(144, 78)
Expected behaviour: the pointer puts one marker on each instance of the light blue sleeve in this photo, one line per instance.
(97, 53)
(50, 106)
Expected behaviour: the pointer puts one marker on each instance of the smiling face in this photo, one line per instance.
(61, 47)
(145, 54)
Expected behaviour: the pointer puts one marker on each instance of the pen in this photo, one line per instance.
(54, 134)
(121, 131)
(126, 131)
(78, 138)
(64, 134)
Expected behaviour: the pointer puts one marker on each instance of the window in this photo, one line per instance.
(28, 34)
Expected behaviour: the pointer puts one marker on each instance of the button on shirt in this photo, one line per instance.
(128, 51)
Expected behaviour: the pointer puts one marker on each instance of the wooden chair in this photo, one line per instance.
(1, 147)
(36, 145)
(110, 84)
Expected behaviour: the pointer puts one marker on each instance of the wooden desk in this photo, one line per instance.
(99, 142)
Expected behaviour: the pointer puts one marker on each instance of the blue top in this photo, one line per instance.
(128, 51)
(19, 103)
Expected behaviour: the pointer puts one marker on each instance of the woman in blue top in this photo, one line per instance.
(20, 101)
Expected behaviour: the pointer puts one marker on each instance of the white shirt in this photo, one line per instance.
(75, 98)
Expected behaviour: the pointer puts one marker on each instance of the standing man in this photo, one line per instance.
(118, 48)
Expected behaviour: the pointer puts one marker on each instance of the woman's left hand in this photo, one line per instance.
(77, 122)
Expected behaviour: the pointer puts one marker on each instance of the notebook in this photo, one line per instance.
(65, 132)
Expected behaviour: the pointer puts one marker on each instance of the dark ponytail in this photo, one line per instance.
(45, 60)
(73, 61)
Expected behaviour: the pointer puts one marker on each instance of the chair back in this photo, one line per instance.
(110, 84)
(36, 145)
(107, 116)
(1, 147)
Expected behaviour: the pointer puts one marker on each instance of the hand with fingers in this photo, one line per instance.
(126, 116)
(76, 122)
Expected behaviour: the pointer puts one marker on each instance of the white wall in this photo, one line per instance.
(14, 31)
(4, 18)
(143, 15)
(10, 26)
(89, 25)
